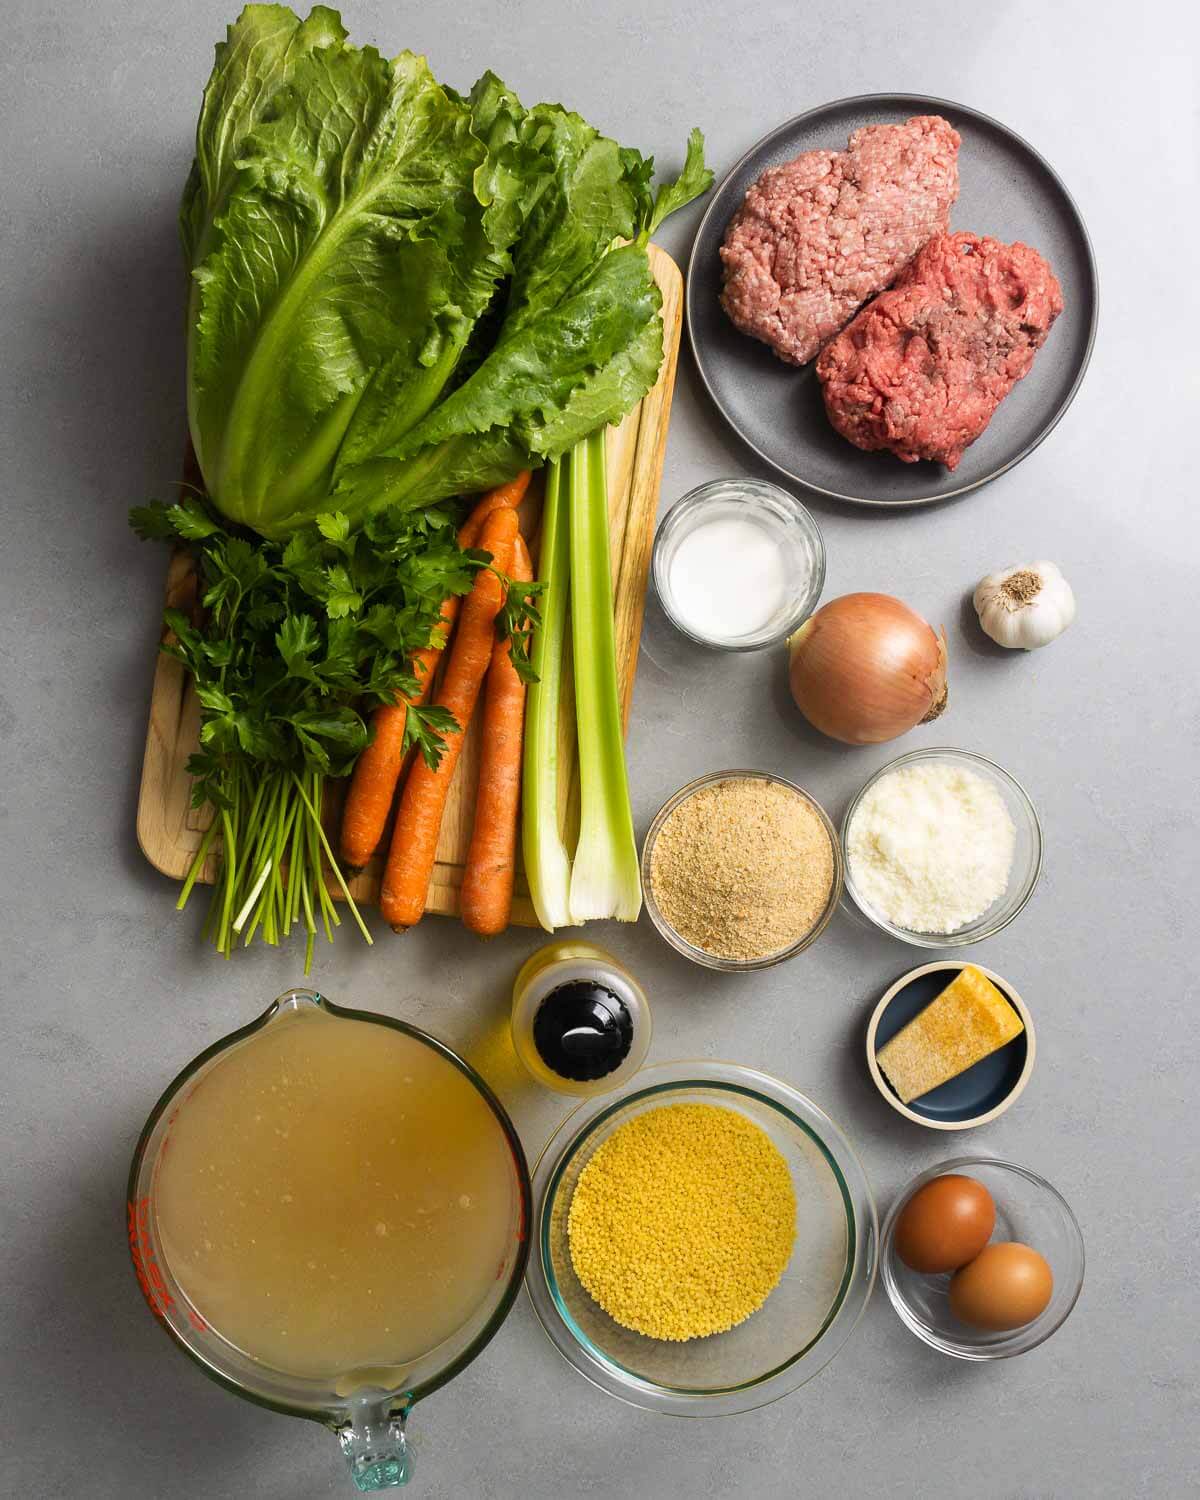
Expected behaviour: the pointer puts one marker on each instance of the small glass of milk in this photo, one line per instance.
(739, 564)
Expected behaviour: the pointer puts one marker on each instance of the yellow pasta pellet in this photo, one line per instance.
(683, 1221)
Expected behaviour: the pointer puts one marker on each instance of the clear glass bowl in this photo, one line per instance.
(805, 1320)
(792, 531)
(712, 960)
(1027, 853)
(1029, 1211)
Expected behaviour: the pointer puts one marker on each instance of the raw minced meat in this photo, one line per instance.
(922, 369)
(816, 237)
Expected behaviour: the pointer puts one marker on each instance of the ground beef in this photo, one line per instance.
(816, 237)
(922, 369)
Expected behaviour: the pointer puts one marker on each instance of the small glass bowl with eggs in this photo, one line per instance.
(739, 564)
(982, 1258)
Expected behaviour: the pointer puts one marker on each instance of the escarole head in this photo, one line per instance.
(1026, 606)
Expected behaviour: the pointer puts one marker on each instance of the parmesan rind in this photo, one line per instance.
(967, 1022)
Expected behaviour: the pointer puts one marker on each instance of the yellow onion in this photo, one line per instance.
(866, 668)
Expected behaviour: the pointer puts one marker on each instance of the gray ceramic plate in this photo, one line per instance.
(1006, 190)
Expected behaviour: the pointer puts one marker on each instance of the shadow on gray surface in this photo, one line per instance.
(868, 1108)
(972, 634)
(122, 432)
(154, 1413)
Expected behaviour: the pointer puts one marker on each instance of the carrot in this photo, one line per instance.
(486, 896)
(510, 495)
(423, 801)
(373, 784)
(377, 769)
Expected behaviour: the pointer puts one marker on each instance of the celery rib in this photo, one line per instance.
(605, 875)
(547, 864)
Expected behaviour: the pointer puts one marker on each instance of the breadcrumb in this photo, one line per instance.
(742, 869)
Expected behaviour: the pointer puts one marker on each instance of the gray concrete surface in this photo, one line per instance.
(107, 991)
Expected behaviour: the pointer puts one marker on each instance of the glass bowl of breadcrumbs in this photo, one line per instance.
(704, 1239)
(741, 870)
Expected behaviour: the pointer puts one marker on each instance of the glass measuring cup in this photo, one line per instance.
(367, 1410)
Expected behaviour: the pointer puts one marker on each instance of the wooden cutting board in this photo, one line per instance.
(169, 829)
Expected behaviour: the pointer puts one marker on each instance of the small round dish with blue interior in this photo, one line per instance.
(986, 1089)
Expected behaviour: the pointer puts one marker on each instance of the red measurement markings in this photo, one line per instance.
(149, 1273)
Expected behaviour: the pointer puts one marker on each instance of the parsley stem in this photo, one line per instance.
(198, 863)
(276, 907)
(333, 864)
(309, 922)
(270, 849)
(240, 920)
(229, 854)
(292, 909)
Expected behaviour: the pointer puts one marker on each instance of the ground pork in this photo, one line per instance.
(922, 369)
(816, 237)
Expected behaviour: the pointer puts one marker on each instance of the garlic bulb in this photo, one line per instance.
(1025, 607)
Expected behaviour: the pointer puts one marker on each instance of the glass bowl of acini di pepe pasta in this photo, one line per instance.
(620, 1233)
(941, 848)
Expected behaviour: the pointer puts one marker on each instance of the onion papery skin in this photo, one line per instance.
(867, 668)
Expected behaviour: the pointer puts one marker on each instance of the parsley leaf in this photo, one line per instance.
(188, 519)
(335, 527)
(424, 727)
(298, 640)
(518, 616)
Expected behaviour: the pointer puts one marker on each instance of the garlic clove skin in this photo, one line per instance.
(1026, 606)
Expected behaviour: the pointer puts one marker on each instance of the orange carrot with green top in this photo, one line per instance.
(377, 770)
(486, 897)
(423, 800)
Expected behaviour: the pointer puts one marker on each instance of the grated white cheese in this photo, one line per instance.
(931, 846)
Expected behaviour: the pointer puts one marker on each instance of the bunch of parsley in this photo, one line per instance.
(296, 640)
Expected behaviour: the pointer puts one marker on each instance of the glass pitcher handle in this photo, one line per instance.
(376, 1449)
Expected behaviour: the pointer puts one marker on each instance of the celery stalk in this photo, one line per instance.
(547, 864)
(605, 877)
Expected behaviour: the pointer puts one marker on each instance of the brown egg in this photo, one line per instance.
(1005, 1286)
(945, 1224)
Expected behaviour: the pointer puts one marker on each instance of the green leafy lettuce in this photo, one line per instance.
(399, 293)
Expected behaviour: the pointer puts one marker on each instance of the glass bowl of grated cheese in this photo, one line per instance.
(666, 1220)
(941, 848)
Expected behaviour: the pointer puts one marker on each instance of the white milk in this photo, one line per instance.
(728, 578)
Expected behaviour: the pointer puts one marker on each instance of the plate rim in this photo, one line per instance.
(860, 101)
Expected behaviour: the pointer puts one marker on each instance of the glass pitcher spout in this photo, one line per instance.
(375, 1445)
(295, 999)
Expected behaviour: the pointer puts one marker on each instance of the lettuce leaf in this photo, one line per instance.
(580, 342)
(582, 363)
(255, 59)
(399, 293)
(340, 245)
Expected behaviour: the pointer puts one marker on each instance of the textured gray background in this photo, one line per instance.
(107, 991)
